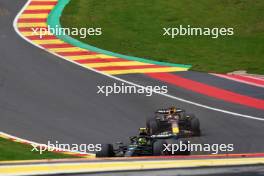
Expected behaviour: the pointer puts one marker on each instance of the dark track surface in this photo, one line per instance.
(196, 97)
(226, 171)
(43, 98)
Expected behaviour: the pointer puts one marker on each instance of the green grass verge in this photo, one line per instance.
(15, 151)
(135, 28)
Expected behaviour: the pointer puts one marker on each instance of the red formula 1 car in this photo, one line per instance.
(175, 120)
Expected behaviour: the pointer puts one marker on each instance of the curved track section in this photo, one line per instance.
(44, 98)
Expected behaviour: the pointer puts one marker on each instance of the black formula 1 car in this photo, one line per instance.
(143, 145)
(174, 120)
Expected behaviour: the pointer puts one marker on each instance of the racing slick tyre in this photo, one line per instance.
(194, 124)
(152, 126)
(158, 147)
(107, 150)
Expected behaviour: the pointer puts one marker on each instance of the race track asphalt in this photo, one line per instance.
(43, 97)
(227, 171)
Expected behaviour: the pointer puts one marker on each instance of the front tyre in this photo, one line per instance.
(107, 150)
(177, 145)
(158, 148)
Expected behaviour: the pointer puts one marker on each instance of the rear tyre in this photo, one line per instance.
(194, 125)
(152, 126)
(107, 150)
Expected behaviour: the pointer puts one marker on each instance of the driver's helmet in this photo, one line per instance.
(142, 141)
(172, 110)
(142, 131)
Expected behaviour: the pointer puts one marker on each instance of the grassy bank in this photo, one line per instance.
(15, 151)
(135, 28)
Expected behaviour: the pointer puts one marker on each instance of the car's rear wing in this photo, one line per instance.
(167, 111)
